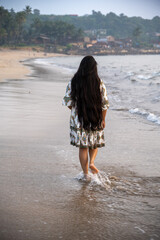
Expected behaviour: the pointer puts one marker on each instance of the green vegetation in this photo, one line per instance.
(118, 26)
(29, 27)
(25, 28)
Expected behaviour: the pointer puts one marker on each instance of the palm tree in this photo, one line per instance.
(28, 10)
(20, 19)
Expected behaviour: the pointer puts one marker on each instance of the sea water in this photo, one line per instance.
(133, 82)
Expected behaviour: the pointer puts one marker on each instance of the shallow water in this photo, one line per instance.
(127, 205)
(132, 82)
(43, 193)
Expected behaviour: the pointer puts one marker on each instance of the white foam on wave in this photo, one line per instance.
(100, 179)
(150, 116)
(153, 118)
(156, 74)
(64, 68)
(157, 98)
(48, 62)
(41, 61)
(142, 77)
(152, 75)
(140, 229)
(138, 111)
(148, 77)
(130, 74)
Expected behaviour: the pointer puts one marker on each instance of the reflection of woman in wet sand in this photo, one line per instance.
(86, 96)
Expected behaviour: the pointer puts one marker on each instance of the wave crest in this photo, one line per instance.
(150, 116)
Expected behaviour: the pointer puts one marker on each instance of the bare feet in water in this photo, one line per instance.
(93, 169)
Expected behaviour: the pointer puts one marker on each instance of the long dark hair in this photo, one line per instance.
(85, 94)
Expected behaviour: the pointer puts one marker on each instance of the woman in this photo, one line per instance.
(86, 96)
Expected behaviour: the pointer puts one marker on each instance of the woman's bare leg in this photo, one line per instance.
(83, 157)
(92, 154)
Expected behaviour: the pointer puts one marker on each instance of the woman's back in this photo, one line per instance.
(85, 94)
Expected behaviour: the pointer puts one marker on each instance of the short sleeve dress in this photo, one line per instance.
(80, 137)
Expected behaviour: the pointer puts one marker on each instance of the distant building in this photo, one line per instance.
(123, 42)
(42, 38)
(89, 45)
(86, 39)
(110, 39)
(119, 44)
(94, 41)
(96, 32)
(102, 40)
(101, 32)
(156, 45)
(80, 45)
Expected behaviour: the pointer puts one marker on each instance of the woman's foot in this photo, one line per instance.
(87, 177)
(93, 169)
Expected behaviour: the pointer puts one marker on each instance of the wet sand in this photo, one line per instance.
(41, 196)
(11, 66)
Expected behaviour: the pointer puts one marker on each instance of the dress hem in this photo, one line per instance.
(90, 147)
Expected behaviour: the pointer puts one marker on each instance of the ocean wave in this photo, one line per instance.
(49, 62)
(148, 77)
(130, 74)
(157, 99)
(152, 75)
(156, 74)
(65, 68)
(41, 61)
(142, 77)
(149, 116)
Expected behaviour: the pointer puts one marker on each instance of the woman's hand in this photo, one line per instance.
(103, 124)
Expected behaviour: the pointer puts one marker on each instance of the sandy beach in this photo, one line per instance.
(42, 196)
(11, 66)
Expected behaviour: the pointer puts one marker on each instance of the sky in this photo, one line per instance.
(143, 8)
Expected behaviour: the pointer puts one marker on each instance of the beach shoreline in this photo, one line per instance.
(23, 62)
(12, 62)
(42, 197)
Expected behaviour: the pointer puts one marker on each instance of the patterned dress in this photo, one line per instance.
(80, 137)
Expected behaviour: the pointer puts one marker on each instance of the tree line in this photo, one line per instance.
(117, 26)
(24, 27)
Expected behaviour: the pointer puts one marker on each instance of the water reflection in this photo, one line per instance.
(99, 211)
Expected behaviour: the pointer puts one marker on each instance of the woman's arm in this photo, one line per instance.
(67, 101)
(105, 103)
(103, 118)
